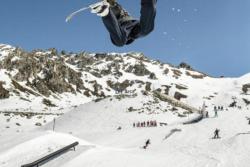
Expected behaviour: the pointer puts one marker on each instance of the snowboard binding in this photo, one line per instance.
(100, 8)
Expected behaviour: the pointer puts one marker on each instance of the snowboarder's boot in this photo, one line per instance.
(102, 9)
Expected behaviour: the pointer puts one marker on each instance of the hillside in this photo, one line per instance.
(95, 126)
(97, 97)
(59, 80)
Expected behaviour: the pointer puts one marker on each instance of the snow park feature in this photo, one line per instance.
(54, 99)
(51, 156)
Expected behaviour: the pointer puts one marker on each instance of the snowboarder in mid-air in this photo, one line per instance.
(124, 29)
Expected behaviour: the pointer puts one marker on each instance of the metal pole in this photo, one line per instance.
(54, 124)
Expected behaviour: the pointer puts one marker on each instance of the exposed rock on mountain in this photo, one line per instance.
(138, 70)
(185, 65)
(179, 96)
(195, 76)
(178, 86)
(3, 92)
(246, 88)
(68, 79)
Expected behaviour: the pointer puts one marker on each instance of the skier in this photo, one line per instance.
(216, 134)
(146, 144)
(138, 125)
(248, 118)
(124, 29)
(207, 115)
(155, 123)
(215, 113)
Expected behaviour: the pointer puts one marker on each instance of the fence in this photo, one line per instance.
(51, 156)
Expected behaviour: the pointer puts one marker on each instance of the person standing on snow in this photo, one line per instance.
(207, 115)
(146, 144)
(215, 113)
(123, 28)
(216, 134)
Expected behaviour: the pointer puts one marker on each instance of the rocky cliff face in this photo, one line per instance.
(3, 92)
(75, 78)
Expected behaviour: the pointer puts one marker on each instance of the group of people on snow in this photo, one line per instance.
(145, 124)
(205, 113)
(216, 109)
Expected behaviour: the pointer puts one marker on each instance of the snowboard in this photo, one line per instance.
(215, 138)
(100, 8)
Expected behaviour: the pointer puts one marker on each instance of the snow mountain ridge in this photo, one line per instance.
(97, 98)
(47, 79)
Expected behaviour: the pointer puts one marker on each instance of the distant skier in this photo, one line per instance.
(207, 115)
(122, 27)
(216, 134)
(146, 144)
(215, 113)
(155, 123)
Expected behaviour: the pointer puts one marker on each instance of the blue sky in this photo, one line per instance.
(213, 36)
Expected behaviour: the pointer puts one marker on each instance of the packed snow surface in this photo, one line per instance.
(95, 125)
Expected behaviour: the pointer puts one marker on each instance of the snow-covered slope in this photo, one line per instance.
(5, 50)
(40, 80)
(51, 82)
(96, 99)
(97, 123)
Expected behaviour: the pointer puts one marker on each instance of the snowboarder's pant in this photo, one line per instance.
(216, 135)
(122, 34)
